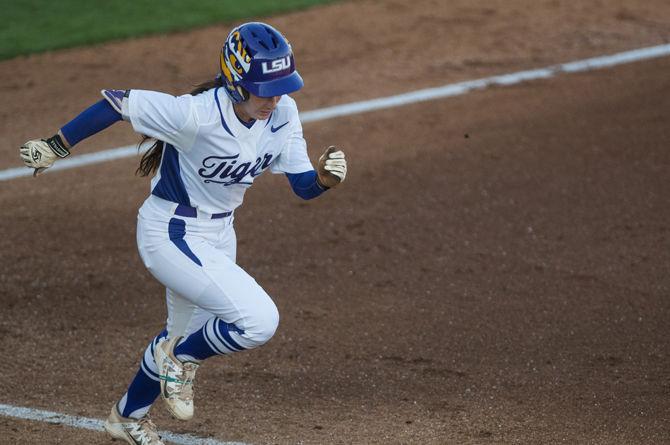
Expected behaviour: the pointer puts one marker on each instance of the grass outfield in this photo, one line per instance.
(30, 26)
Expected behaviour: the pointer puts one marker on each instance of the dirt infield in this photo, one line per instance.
(495, 269)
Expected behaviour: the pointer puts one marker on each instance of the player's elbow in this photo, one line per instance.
(305, 185)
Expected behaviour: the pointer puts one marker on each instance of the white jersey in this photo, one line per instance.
(210, 157)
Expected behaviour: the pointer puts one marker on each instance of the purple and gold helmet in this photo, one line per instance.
(257, 59)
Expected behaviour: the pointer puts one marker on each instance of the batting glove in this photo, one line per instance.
(332, 167)
(40, 154)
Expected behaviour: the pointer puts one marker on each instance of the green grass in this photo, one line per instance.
(30, 26)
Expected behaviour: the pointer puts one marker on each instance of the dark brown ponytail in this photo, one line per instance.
(152, 158)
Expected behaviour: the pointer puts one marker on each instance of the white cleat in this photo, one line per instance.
(133, 431)
(176, 379)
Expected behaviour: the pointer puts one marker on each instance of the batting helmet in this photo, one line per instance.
(256, 58)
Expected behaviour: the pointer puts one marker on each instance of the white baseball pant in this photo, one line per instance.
(194, 258)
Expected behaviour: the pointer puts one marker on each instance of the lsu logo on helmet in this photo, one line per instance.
(276, 65)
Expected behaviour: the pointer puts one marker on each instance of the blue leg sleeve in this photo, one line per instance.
(145, 387)
(214, 338)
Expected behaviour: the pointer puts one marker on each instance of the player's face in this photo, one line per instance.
(258, 108)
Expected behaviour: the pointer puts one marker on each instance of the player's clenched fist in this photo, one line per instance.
(40, 154)
(332, 168)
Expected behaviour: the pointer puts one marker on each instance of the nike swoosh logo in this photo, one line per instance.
(276, 129)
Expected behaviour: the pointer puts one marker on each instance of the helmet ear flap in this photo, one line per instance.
(235, 91)
(243, 92)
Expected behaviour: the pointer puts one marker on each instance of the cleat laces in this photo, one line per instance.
(179, 380)
(143, 432)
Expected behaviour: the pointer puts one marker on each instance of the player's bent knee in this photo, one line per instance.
(263, 325)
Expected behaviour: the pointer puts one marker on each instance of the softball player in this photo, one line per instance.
(210, 146)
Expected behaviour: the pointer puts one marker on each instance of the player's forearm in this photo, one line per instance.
(305, 184)
(40, 154)
(94, 119)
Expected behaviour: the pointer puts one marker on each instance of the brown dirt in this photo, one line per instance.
(506, 287)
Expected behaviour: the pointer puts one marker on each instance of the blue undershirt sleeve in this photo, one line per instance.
(305, 185)
(95, 118)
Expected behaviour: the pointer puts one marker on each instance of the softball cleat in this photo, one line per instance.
(176, 379)
(133, 431)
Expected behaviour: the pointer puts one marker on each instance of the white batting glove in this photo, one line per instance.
(332, 167)
(40, 154)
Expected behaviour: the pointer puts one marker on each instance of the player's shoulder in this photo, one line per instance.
(206, 97)
(286, 108)
(288, 102)
(204, 105)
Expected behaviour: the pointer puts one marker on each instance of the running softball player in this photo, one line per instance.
(210, 146)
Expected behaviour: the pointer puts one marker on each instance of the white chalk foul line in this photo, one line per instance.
(460, 88)
(96, 425)
(454, 89)
(74, 161)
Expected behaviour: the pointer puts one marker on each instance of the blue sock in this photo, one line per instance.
(145, 387)
(216, 337)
